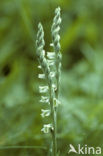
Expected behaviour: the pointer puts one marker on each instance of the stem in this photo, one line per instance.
(55, 133)
(53, 114)
(57, 91)
(54, 110)
(57, 77)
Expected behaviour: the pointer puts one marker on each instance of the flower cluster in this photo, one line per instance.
(49, 63)
(56, 45)
(47, 74)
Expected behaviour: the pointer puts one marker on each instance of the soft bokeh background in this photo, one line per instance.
(80, 117)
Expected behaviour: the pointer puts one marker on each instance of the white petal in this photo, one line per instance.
(52, 74)
(58, 37)
(46, 128)
(54, 86)
(39, 67)
(51, 62)
(43, 130)
(45, 113)
(43, 89)
(44, 99)
(51, 44)
(51, 55)
(56, 102)
(41, 76)
(60, 20)
(43, 52)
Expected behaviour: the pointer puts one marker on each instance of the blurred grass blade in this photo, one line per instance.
(29, 147)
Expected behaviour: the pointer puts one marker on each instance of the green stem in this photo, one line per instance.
(55, 132)
(53, 114)
(57, 77)
(57, 91)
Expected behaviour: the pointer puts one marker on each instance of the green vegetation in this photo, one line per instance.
(80, 119)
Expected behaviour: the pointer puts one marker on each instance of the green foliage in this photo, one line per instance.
(80, 114)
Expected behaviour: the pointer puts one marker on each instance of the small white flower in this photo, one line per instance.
(54, 87)
(58, 37)
(60, 20)
(52, 74)
(43, 89)
(46, 128)
(41, 76)
(44, 99)
(39, 67)
(51, 44)
(56, 102)
(45, 113)
(51, 62)
(51, 55)
(43, 52)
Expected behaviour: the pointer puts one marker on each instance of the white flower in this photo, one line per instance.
(51, 62)
(44, 99)
(58, 37)
(43, 52)
(56, 102)
(54, 87)
(41, 76)
(39, 67)
(46, 128)
(52, 74)
(51, 44)
(45, 113)
(51, 55)
(43, 89)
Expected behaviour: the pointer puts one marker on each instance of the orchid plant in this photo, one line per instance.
(50, 65)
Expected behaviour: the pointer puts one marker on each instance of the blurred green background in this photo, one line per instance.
(80, 117)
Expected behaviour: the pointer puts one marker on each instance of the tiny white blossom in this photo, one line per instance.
(54, 87)
(58, 37)
(43, 52)
(41, 76)
(51, 44)
(43, 89)
(59, 20)
(44, 99)
(39, 67)
(46, 128)
(51, 62)
(56, 102)
(52, 74)
(51, 55)
(45, 113)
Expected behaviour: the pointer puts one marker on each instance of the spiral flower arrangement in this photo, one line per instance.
(50, 64)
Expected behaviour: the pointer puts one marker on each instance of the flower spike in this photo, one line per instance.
(50, 64)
